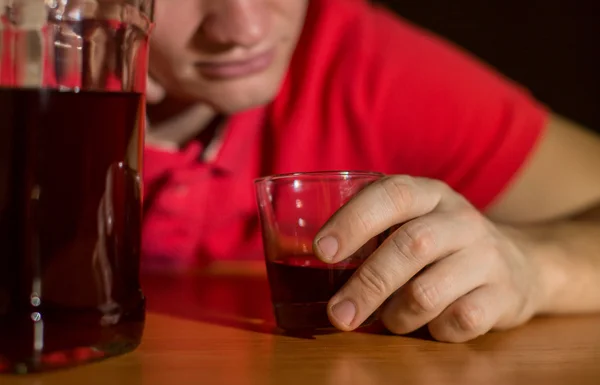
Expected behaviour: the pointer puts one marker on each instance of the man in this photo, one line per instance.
(495, 195)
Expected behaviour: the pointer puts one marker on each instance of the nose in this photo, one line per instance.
(236, 22)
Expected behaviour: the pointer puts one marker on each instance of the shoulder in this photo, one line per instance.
(358, 53)
(349, 53)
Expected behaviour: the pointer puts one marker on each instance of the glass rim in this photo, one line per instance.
(316, 174)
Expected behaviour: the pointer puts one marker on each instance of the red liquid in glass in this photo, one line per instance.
(301, 287)
(70, 215)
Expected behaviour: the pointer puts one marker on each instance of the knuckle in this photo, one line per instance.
(469, 318)
(399, 191)
(440, 185)
(415, 241)
(372, 282)
(443, 188)
(364, 220)
(446, 191)
(422, 297)
(421, 238)
(493, 253)
(469, 215)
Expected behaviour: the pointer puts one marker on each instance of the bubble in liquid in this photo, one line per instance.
(35, 300)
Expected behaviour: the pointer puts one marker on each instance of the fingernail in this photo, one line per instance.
(328, 247)
(344, 312)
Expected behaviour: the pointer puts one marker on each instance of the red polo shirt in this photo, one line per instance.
(365, 90)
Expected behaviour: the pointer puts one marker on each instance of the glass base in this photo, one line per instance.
(65, 339)
(311, 316)
(63, 359)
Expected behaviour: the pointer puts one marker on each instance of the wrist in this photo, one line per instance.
(546, 258)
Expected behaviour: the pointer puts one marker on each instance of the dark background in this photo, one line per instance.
(552, 47)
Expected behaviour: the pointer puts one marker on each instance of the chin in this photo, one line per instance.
(234, 100)
(236, 105)
(238, 95)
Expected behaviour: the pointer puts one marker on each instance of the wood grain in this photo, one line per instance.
(216, 328)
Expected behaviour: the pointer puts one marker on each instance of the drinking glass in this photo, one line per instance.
(293, 207)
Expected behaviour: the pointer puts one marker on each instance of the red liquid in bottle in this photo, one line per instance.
(70, 216)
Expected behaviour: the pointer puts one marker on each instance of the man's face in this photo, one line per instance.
(231, 54)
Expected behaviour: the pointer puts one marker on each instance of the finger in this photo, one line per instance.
(470, 316)
(407, 251)
(383, 204)
(155, 93)
(425, 297)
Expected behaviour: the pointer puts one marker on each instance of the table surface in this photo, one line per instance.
(216, 327)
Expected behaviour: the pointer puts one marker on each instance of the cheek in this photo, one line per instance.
(167, 51)
(294, 12)
(165, 55)
(174, 26)
(289, 21)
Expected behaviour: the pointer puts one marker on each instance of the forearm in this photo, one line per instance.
(567, 259)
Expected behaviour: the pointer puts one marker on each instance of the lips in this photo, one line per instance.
(234, 69)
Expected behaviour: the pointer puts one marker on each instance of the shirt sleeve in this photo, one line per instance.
(443, 114)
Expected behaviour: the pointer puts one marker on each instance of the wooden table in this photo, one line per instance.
(216, 328)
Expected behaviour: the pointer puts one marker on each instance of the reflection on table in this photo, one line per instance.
(216, 327)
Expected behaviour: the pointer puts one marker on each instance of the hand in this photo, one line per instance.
(155, 93)
(446, 266)
(174, 123)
